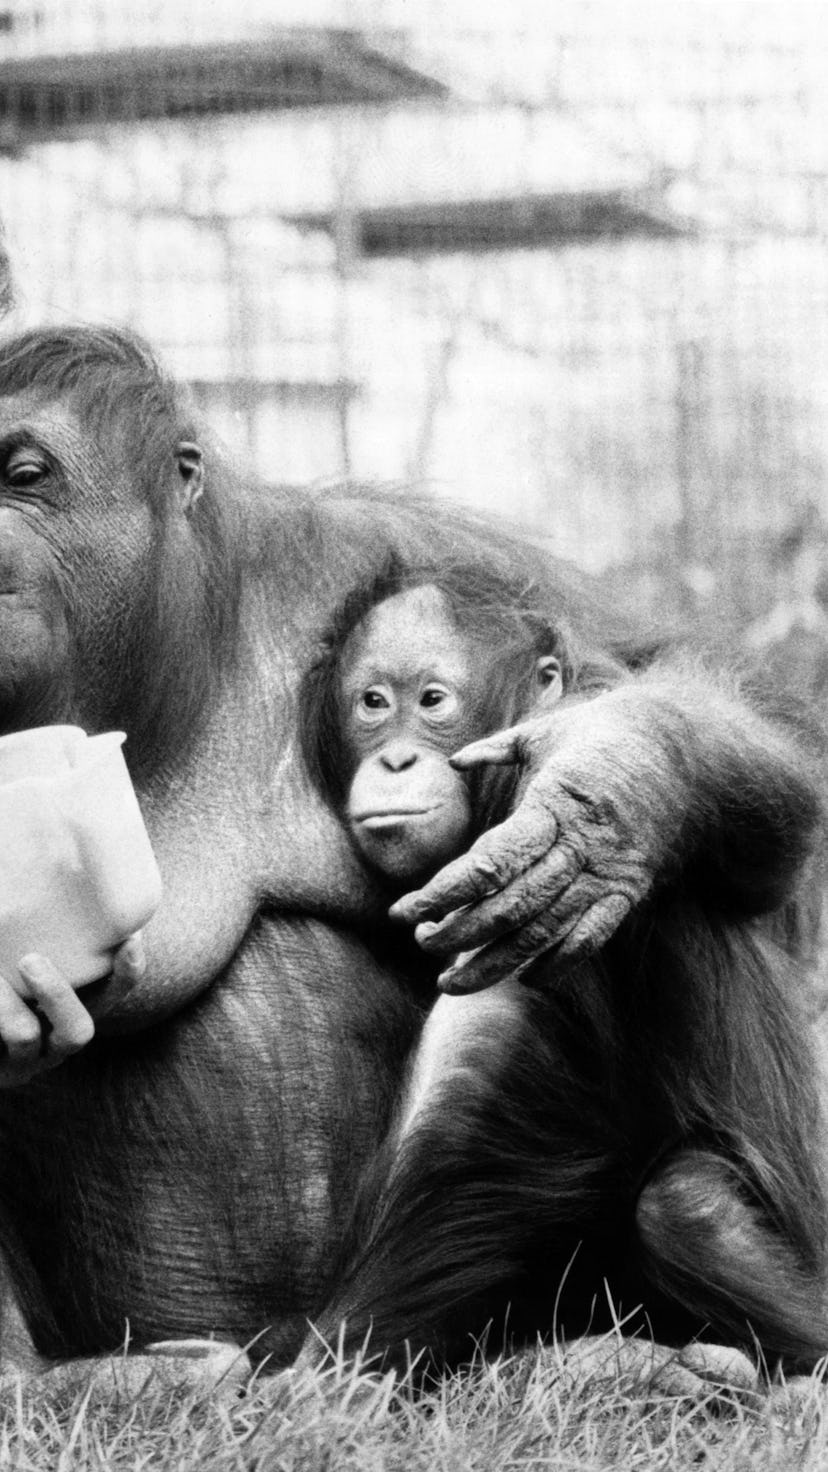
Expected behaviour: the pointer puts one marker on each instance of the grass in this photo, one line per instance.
(508, 1415)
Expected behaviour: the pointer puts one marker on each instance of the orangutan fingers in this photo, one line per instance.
(567, 932)
(587, 914)
(509, 956)
(501, 749)
(594, 928)
(527, 742)
(70, 1026)
(491, 864)
(20, 1036)
(528, 897)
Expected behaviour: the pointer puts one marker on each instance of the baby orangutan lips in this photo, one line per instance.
(376, 822)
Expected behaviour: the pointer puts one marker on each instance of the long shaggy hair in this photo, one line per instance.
(512, 1201)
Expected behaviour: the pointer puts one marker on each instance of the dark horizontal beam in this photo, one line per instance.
(499, 223)
(48, 97)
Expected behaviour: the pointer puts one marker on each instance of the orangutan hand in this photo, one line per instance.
(49, 1022)
(559, 875)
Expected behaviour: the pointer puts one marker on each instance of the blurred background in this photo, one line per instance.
(562, 260)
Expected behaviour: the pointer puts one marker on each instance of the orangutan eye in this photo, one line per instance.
(373, 703)
(433, 695)
(23, 469)
(438, 701)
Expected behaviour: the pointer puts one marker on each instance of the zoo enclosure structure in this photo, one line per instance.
(578, 275)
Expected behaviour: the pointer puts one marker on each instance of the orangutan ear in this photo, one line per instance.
(191, 471)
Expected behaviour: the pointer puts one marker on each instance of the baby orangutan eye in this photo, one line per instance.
(433, 695)
(438, 701)
(373, 703)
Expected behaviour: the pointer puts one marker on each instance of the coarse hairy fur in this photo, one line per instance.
(278, 1009)
(513, 1198)
(526, 1166)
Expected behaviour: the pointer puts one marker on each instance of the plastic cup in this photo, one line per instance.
(77, 871)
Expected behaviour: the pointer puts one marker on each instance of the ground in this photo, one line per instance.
(593, 1408)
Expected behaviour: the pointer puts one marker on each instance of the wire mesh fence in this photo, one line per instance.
(564, 262)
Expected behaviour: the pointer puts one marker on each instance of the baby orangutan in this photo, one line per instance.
(409, 682)
(549, 1147)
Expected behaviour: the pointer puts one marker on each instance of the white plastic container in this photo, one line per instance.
(77, 871)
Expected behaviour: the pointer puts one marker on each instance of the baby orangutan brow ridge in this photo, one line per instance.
(413, 688)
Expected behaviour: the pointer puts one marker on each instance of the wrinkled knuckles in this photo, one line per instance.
(596, 928)
(626, 874)
(532, 941)
(465, 926)
(491, 872)
(432, 935)
(563, 861)
(574, 854)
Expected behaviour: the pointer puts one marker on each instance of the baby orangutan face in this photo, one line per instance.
(413, 692)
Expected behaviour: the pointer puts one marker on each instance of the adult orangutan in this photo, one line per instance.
(142, 587)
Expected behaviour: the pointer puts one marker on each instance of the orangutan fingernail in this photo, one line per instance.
(450, 984)
(426, 929)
